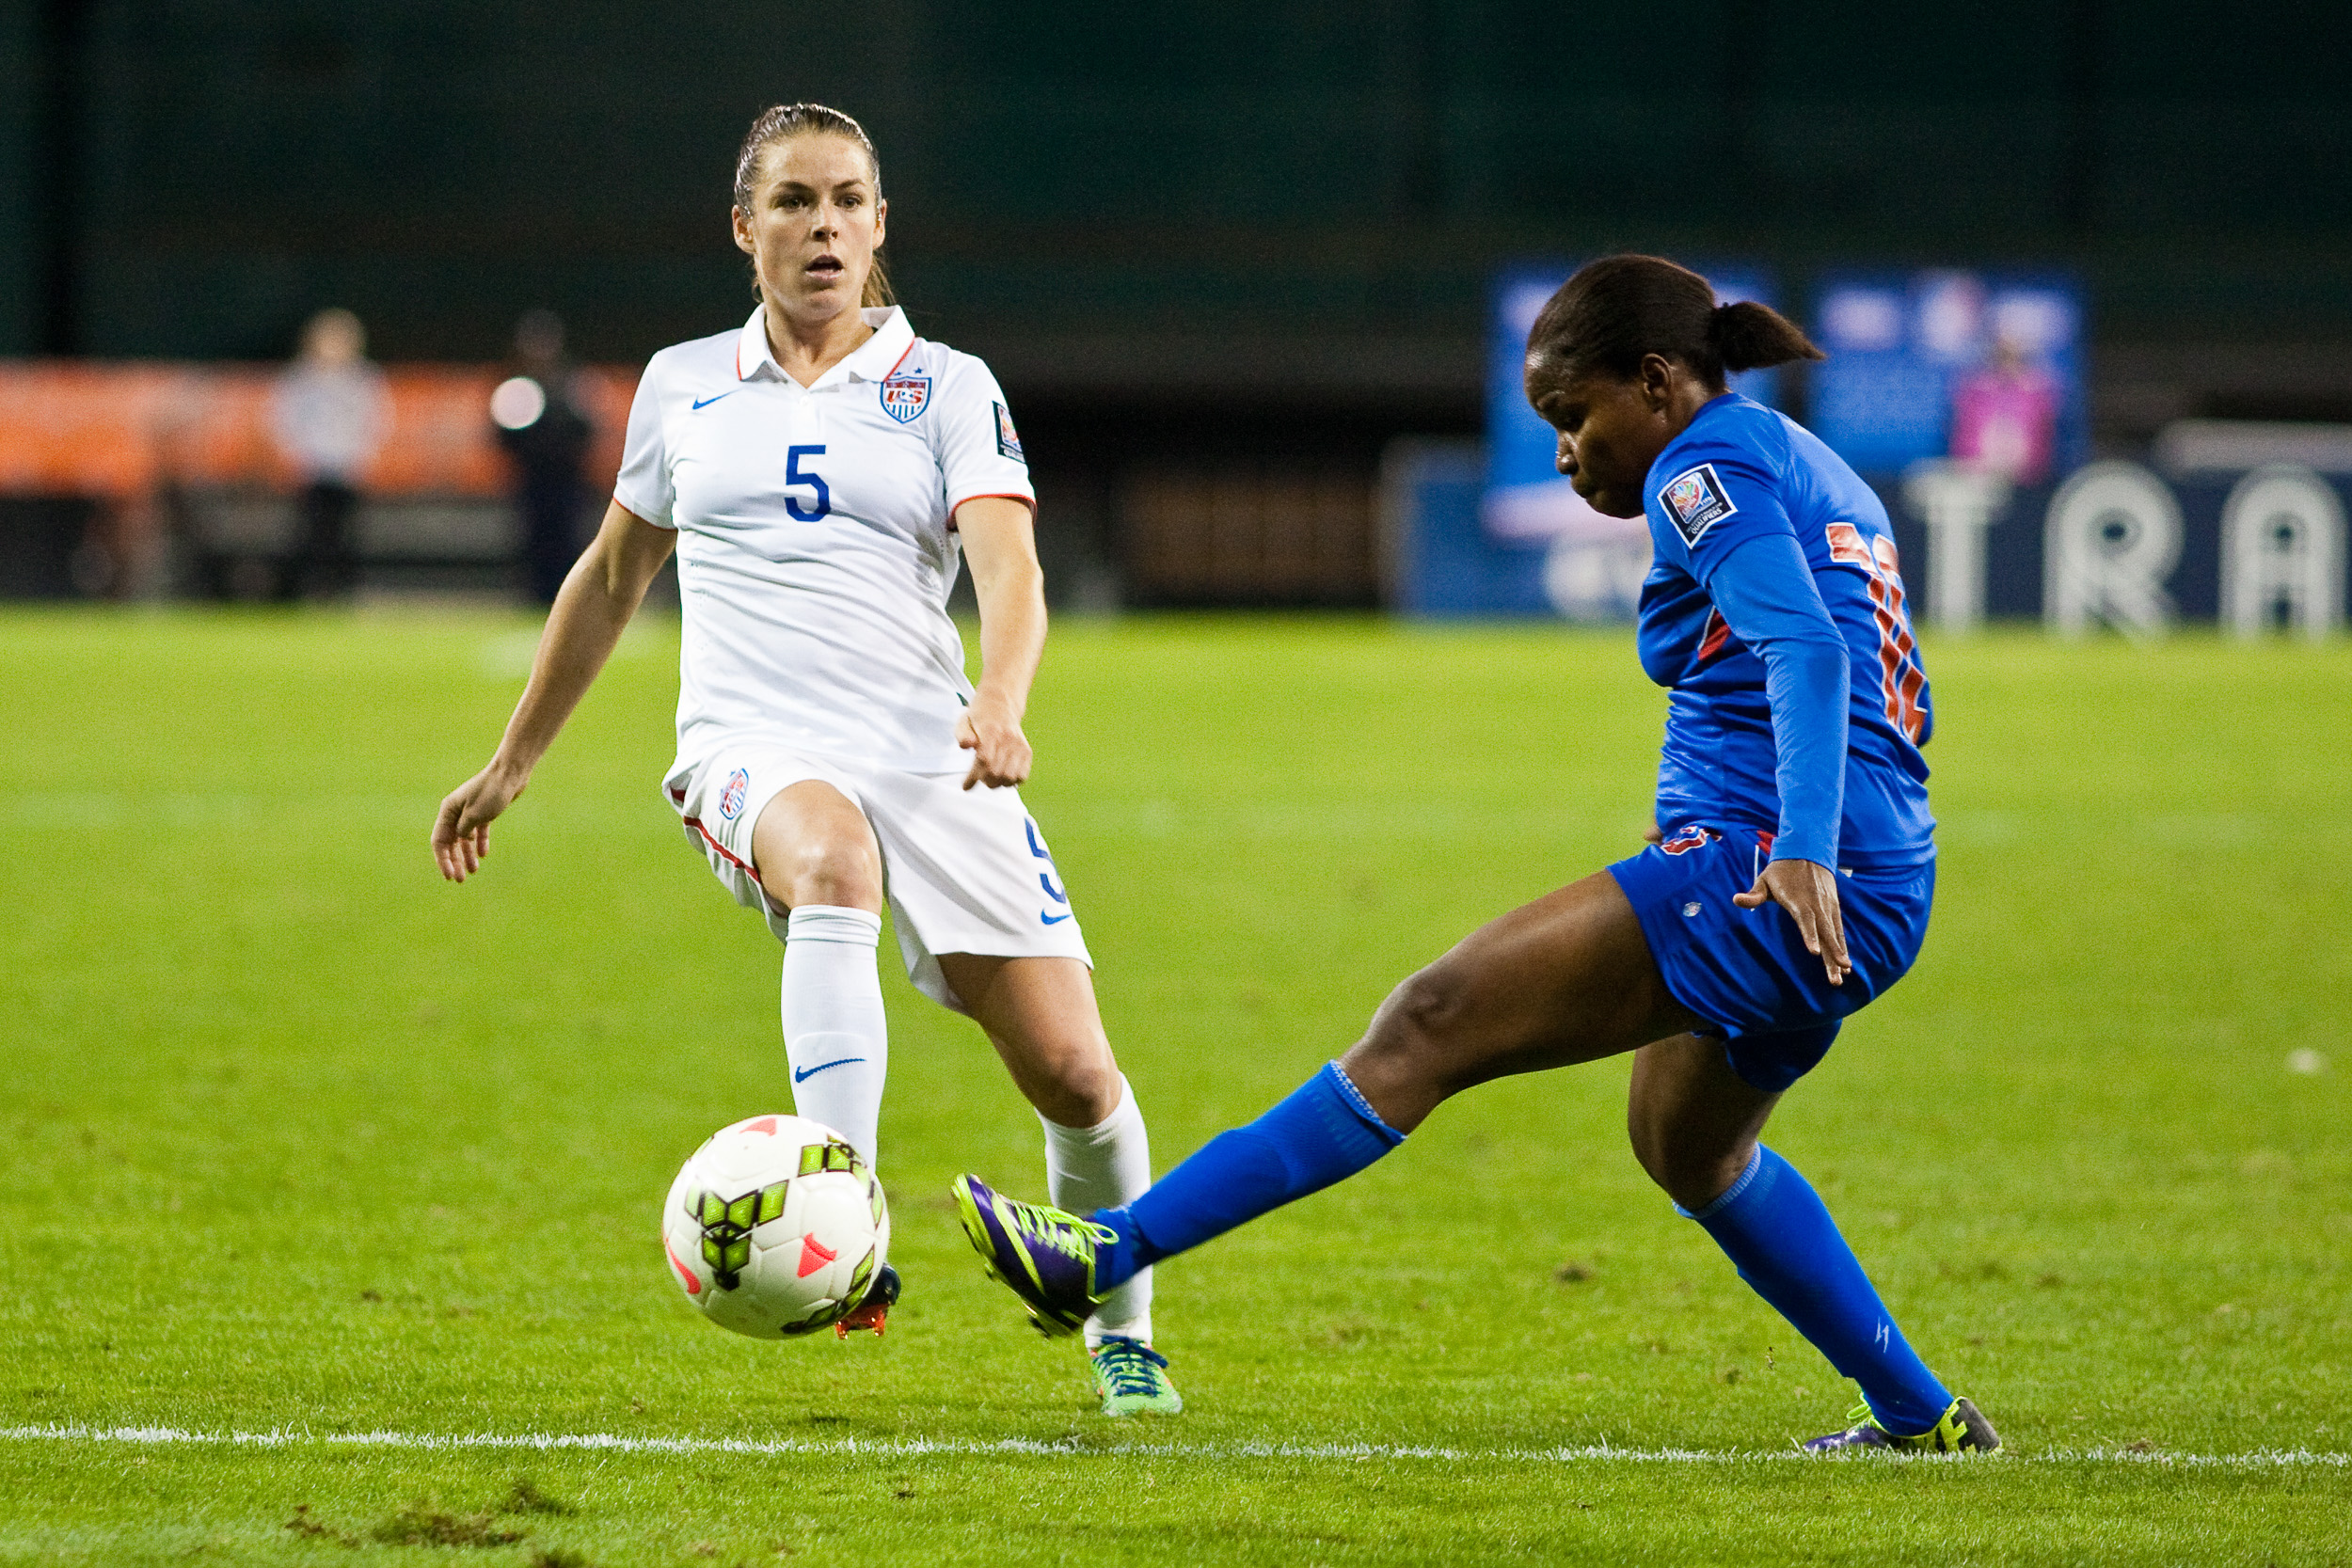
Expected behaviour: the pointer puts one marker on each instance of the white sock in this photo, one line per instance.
(1101, 1167)
(833, 1034)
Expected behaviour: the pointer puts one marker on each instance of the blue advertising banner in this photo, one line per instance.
(2014, 567)
(1984, 368)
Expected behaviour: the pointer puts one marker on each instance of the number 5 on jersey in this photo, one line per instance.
(795, 474)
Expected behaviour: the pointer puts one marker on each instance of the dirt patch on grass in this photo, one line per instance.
(426, 1524)
(526, 1497)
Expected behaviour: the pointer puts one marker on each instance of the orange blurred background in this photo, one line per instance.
(125, 431)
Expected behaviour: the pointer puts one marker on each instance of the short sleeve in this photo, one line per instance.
(1715, 497)
(979, 450)
(643, 485)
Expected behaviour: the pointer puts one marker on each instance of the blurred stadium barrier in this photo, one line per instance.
(181, 457)
(1238, 534)
(2237, 521)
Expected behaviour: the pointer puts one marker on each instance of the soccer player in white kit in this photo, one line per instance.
(819, 473)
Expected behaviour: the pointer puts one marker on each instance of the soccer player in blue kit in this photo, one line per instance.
(1786, 883)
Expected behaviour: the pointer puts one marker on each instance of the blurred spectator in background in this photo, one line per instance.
(330, 413)
(2005, 417)
(541, 419)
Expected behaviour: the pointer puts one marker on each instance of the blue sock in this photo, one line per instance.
(1324, 1132)
(1773, 1225)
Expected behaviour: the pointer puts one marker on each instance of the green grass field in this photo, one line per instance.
(303, 1144)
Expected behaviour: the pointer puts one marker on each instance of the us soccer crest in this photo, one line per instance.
(903, 396)
(1696, 500)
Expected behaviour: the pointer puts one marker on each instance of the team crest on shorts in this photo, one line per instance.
(1008, 438)
(731, 797)
(1696, 500)
(903, 396)
(1689, 838)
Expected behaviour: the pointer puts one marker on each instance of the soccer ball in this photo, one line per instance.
(776, 1226)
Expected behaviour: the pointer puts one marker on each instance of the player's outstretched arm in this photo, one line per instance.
(592, 609)
(1000, 546)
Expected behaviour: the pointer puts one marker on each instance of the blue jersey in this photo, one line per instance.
(1773, 613)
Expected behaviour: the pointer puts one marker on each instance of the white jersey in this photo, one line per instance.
(816, 545)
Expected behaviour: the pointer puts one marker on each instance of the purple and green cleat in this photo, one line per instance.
(1962, 1429)
(1044, 1256)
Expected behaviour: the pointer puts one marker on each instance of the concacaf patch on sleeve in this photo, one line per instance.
(1008, 438)
(1696, 500)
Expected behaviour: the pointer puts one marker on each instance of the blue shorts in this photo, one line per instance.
(1745, 972)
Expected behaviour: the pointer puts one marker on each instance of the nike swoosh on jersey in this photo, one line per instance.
(1051, 918)
(705, 403)
(800, 1075)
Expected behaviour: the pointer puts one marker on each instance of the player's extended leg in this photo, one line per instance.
(1568, 978)
(1695, 1125)
(816, 858)
(1041, 1015)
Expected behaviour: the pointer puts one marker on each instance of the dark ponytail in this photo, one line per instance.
(1748, 336)
(1619, 309)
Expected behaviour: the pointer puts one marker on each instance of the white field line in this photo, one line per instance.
(601, 1442)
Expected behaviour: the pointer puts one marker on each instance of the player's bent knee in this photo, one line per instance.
(1434, 1003)
(833, 874)
(1073, 1088)
(1415, 1035)
(1067, 1072)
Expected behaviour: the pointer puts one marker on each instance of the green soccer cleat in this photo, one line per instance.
(1044, 1256)
(874, 1311)
(1132, 1378)
(1962, 1429)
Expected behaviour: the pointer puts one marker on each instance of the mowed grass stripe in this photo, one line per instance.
(608, 1442)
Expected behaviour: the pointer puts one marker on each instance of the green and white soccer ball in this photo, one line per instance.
(776, 1226)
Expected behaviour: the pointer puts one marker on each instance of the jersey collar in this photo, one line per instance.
(873, 360)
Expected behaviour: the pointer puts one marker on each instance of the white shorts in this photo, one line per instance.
(966, 871)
